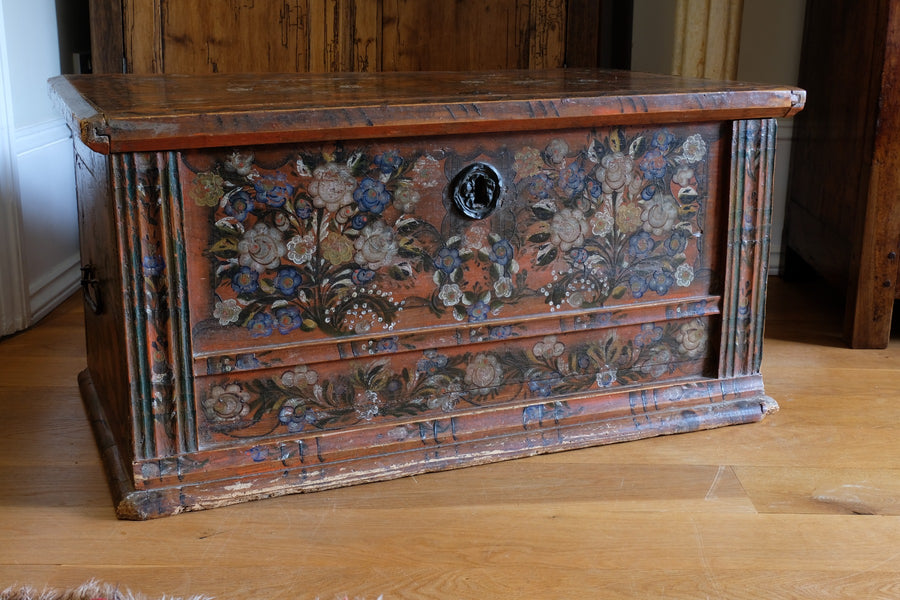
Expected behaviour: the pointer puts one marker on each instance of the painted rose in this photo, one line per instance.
(660, 214)
(300, 249)
(208, 189)
(484, 373)
(616, 172)
(226, 403)
(692, 337)
(375, 246)
(568, 229)
(657, 363)
(332, 187)
(628, 218)
(227, 312)
(337, 248)
(261, 248)
(683, 176)
(556, 151)
(694, 148)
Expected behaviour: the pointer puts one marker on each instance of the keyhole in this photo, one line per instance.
(476, 190)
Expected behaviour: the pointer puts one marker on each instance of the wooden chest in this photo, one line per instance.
(300, 282)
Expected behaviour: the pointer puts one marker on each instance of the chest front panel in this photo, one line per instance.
(335, 285)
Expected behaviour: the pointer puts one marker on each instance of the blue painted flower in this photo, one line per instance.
(571, 179)
(295, 417)
(648, 192)
(261, 325)
(362, 276)
(661, 281)
(288, 280)
(288, 319)
(447, 260)
(649, 335)
(359, 221)
(676, 243)
(388, 162)
(303, 209)
(653, 164)
(274, 191)
(500, 332)
(663, 140)
(387, 345)
(641, 244)
(153, 265)
(502, 252)
(579, 255)
(594, 188)
(479, 311)
(539, 186)
(239, 205)
(245, 281)
(544, 387)
(246, 361)
(432, 364)
(371, 196)
(638, 285)
(258, 453)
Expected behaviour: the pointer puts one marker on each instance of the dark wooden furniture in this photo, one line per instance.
(843, 213)
(210, 36)
(302, 282)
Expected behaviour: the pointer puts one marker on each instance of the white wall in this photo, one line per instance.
(771, 37)
(41, 158)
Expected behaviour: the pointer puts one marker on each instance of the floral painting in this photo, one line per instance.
(344, 239)
(300, 398)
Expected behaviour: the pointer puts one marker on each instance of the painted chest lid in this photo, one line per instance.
(124, 113)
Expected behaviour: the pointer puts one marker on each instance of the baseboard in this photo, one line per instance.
(49, 291)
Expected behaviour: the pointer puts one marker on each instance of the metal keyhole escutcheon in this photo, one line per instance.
(476, 190)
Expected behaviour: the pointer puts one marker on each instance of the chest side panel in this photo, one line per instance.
(336, 285)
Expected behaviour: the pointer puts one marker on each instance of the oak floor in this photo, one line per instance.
(805, 504)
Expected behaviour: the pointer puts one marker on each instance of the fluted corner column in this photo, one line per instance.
(707, 38)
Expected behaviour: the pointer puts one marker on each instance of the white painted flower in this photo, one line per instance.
(549, 347)
(332, 187)
(657, 364)
(602, 223)
(375, 246)
(227, 312)
(684, 275)
(300, 376)
(242, 164)
(683, 176)
(660, 214)
(556, 151)
(261, 248)
(503, 287)
(405, 197)
(568, 228)
(694, 148)
(367, 404)
(450, 294)
(300, 249)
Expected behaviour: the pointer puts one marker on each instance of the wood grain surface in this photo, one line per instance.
(802, 505)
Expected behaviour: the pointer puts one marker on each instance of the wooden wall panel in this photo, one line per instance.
(208, 36)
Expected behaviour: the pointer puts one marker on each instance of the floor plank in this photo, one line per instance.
(801, 505)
